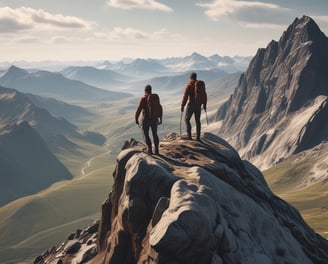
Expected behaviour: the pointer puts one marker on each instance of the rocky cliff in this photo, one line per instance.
(196, 202)
(280, 104)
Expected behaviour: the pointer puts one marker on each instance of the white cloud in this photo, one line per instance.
(24, 18)
(127, 33)
(58, 20)
(250, 12)
(123, 34)
(140, 4)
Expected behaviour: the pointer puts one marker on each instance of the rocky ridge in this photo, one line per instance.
(196, 202)
(280, 104)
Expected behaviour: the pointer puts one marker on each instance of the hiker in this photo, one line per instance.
(152, 117)
(194, 104)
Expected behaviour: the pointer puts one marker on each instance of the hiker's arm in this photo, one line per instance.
(205, 102)
(138, 111)
(185, 98)
(160, 119)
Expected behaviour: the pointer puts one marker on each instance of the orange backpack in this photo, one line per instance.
(200, 93)
(155, 109)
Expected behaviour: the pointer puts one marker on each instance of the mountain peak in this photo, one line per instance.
(305, 22)
(196, 55)
(282, 95)
(194, 203)
(303, 30)
(15, 71)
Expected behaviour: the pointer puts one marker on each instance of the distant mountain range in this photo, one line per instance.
(197, 61)
(174, 84)
(103, 78)
(138, 66)
(176, 65)
(280, 106)
(55, 85)
(82, 83)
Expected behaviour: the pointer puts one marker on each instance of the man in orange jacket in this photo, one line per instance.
(192, 107)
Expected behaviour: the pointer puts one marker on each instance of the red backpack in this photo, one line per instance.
(200, 93)
(155, 109)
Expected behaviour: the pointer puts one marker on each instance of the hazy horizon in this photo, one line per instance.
(38, 30)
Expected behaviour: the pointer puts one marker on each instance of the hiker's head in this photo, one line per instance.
(148, 89)
(193, 76)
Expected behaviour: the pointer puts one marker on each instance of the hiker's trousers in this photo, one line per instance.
(193, 110)
(145, 128)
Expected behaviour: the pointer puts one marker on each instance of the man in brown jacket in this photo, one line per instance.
(192, 107)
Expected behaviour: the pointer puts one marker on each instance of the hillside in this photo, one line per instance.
(279, 106)
(73, 113)
(58, 133)
(302, 181)
(102, 78)
(171, 86)
(25, 156)
(26, 164)
(194, 203)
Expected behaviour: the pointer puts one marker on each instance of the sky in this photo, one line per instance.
(82, 30)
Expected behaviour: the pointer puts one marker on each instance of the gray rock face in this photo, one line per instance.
(282, 97)
(199, 203)
(79, 248)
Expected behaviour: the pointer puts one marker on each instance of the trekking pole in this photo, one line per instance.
(180, 124)
(206, 117)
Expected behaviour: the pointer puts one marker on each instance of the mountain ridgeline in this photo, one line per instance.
(27, 164)
(280, 105)
(54, 85)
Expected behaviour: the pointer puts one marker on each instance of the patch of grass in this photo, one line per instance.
(37, 222)
(287, 175)
(311, 201)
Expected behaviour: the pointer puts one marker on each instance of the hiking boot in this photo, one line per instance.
(156, 152)
(198, 139)
(150, 152)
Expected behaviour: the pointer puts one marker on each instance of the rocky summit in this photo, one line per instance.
(196, 202)
(280, 104)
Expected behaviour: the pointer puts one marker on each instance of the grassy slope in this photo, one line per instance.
(34, 223)
(311, 201)
(37, 222)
